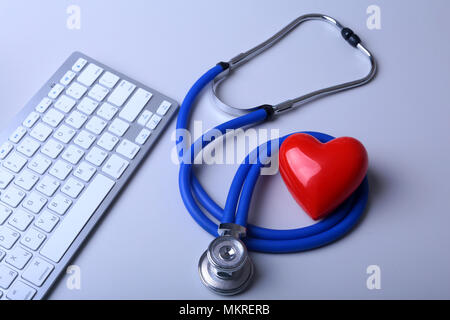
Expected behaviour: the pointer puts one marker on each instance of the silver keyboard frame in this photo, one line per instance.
(132, 132)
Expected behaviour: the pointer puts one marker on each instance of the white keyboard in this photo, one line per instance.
(63, 160)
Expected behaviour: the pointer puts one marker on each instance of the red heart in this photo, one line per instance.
(320, 176)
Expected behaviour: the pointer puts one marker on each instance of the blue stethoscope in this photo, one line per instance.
(225, 267)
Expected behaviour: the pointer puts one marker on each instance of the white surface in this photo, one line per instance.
(148, 246)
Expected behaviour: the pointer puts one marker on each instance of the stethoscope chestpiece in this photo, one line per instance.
(225, 267)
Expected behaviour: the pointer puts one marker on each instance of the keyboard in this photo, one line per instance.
(63, 160)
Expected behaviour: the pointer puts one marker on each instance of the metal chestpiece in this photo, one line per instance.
(225, 267)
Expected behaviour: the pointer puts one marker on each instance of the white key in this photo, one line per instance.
(55, 91)
(8, 237)
(98, 92)
(18, 258)
(96, 156)
(14, 162)
(72, 187)
(96, 125)
(28, 147)
(73, 154)
(5, 212)
(135, 105)
(67, 78)
(26, 180)
(41, 132)
(39, 164)
(53, 117)
(48, 186)
(84, 139)
(143, 136)
(7, 276)
(108, 80)
(118, 127)
(64, 134)
(31, 119)
(154, 121)
(46, 221)
(128, 149)
(34, 202)
(52, 148)
(60, 169)
(43, 105)
(79, 65)
(18, 134)
(5, 178)
(2, 255)
(115, 166)
(20, 219)
(90, 74)
(145, 116)
(107, 111)
(76, 119)
(163, 108)
(38, 271)
(76, 218)
(87, 105)
(59, 204)
(5, 149)
(108, 141)
(20, 291)
(65, 104)
(76, 90)
(12, 196)
(121, 93)
(84, 171)
(33, 239)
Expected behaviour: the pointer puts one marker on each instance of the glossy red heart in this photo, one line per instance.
(320, 176)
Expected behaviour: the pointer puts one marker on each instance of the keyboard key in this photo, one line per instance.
(5, 149)
(85, 171)
(163, 108)
(28, 147)
(87, 105)
(55, 91)
(5, 212)
(43, 105)
(52, 148)
(59, 204)
(7, 276)
(48, 186)
(18, 258)
(33, 239)
(60, 170)
(98, 92)
(96, 125)
(67, 78)
(14, 162)
(107, 111)
(79, 65)
(53, 117)
(64, 134)
(115, 166)
(21, 291)
(118, 127)
(18, 134)
(34, 202)
(108, 141)
(96, 156)
(46, 221)
(31, 119)
(121, 93)
(76, 90)
(38, 271)
(26, 180)
(2, 255)
(12, 196)
(73, 154)
(143, 136)
(90, 74)
(128, 149)
(65, 104)
(41, 132)
(20, 220)
(5, 178)
(55, 248)
(84, 139)
(109, 80)
(135, 105)
(145, 116)
(8, 238)
(153, 122)
(76, 119)
(72, 188)
(39, 164)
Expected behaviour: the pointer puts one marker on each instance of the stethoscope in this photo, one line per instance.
(226, 267)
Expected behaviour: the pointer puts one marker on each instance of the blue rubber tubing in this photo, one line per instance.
(197, 200)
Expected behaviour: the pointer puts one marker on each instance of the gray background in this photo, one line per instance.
(147, 247)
